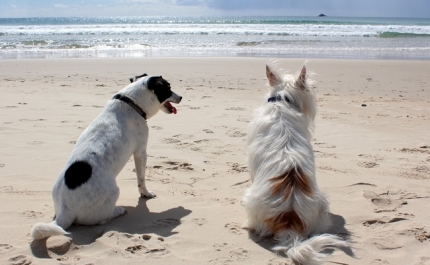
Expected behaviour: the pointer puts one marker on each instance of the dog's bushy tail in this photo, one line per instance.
(308, 252)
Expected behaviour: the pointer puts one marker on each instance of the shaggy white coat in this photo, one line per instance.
(278, 142)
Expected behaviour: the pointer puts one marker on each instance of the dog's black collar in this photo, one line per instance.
(131, 103)
(279, 98)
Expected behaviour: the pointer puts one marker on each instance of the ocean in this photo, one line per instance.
(294, 37)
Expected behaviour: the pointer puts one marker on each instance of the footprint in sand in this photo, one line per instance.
(58, 245)
(32, 214)
(137, 249)
(236, 108)
(379, 262)
(199, 221)
(420, 234)
(239, 254)
(384, 202)
(405, 215)
(320, 154)
(190, 193)
(235, 133)
(423, 149)
(152, 250)
(6, 189)
(385, 243)
(178, 165)
(157, 128)
(32, 120)
(325, 145)
(170, 141)
(157, 252)
(329, 168)
(201, 145)
(281, 261)
(208, 131)
(221, 246)
(232, 257)
(237, 168)
(367, 164)
(422, 169)
(373, 157)
(228, 201)
(20, 260)
(243, 119)
(420, 172)
(234, 228)
(383, 220)
(329, 117)
(161, 223)
(5, 248)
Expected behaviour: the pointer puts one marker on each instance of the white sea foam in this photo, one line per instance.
(308, 37)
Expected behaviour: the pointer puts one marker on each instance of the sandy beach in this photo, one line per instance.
(371, 143)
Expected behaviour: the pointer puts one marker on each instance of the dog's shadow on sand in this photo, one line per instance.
(137, 220)
(337, 228)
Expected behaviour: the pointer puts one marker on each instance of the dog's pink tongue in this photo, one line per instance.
(171, 108)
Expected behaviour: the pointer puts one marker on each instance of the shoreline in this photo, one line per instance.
(372, 157)
(142, 55)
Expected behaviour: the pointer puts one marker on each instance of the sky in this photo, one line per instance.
(85, 8)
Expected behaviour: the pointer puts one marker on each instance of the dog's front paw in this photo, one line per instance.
(147, 194)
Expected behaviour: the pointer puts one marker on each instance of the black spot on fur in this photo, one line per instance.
(160, 87)
(77, 174)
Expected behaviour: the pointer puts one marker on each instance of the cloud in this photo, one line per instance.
(346, 8)
(253, 4)
(152, 2)
(366, 8)
(191, 3)
(60, 6)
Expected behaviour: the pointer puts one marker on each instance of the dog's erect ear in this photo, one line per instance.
(301, 79)
(134, 79)
(272, 77)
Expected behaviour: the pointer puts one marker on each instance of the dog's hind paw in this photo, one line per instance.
(117, 211)
(148, 194)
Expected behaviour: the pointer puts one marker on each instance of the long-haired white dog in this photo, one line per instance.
(86, 191)
(284, 200)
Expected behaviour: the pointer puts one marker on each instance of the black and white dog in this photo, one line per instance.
(86, 191)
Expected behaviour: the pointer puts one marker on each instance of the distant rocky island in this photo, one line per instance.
(322, 15)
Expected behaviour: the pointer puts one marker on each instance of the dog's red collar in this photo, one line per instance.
(131, 103)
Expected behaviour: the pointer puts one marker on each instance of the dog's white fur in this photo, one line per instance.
(108, 142)
(284, 200)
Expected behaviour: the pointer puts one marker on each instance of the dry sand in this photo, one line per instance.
(373, 160)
